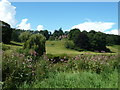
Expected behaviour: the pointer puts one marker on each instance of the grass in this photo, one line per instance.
(57, 47)
(77, 80)
(114, 48)
(13, 45)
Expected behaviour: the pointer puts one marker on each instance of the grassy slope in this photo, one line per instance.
(57, 47)
(114, 48)
(14, 45)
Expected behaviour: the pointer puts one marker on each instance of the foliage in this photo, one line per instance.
(58, 33)
(17, 68)
(98, 41)
(24, 36)
(6, 32)
(69, 44)
(81, 40)
(76, 80)
(45, 33)
(15, 34)
(93, 41)
(112, 39)
(28, 71)
(5, 47)
(73, 33)
(37, 43)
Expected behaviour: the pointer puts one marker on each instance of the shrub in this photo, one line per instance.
(24, 36)
(16, 69)
(37, 43)
(69, 44)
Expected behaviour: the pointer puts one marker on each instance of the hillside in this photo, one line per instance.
(57, 47)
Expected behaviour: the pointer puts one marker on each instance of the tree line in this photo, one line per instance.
(79, 40)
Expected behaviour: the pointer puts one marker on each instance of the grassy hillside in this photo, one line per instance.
(114, 48)
(57, 47)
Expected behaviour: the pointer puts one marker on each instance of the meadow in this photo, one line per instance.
(57, 47)
(44, 45)
(73, 69)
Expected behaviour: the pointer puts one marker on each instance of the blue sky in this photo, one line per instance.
(53, 15)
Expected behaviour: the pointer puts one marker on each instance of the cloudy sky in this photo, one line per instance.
(99, 16)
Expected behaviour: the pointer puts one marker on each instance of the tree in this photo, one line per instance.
(58, 33)
(45, 33)
(24, 36)
(37, 43)
(81, 40)
(110, 40)
(73, 33)
(61, 32)
(66, 32)
(97, 41)
(6, 32)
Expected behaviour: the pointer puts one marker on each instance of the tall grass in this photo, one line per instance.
(76, 80)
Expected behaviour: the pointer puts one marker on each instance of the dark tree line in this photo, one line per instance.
(6, 32)
(94, 41)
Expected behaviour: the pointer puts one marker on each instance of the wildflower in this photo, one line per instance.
(64, 57)
(33, 74)
(23, 62)
(34, 53)
(61, 59)
(30, 66)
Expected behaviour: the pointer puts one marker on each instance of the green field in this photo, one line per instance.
(57, 47)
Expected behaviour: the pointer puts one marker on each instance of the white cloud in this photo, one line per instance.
(40, 27)
(24, 25)
(97, 26)
(114, 31)
(7, 12)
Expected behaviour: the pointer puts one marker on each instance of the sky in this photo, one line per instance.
(98, 16)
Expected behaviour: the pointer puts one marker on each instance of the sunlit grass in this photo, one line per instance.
(57, 47)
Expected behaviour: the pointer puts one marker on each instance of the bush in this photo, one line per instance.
(24, 36)
(37, 43)
(69, 44)
(16, 69)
